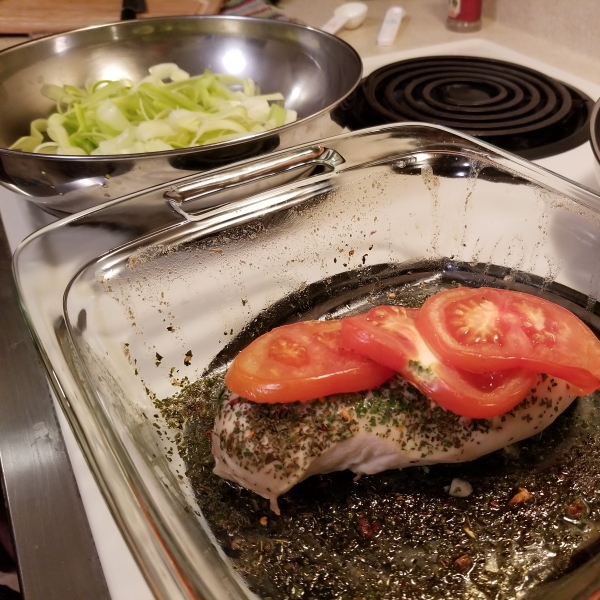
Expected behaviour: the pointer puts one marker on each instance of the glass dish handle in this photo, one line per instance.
(259, 169)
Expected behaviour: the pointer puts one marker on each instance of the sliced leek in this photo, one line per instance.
(167, 110)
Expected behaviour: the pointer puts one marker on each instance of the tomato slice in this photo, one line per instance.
(389, 335)
(488, 329)
(301, 361)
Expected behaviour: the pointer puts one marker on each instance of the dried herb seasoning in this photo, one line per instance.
(399, 534)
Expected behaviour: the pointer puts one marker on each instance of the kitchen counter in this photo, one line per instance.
(561, 39)
(560, 36)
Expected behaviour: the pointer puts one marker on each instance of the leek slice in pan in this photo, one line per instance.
(167, 110)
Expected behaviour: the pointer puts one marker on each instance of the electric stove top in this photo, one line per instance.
(516, 108)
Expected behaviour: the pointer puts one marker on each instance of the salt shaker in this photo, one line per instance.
(464, 15)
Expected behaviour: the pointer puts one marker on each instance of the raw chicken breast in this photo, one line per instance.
(268, 448)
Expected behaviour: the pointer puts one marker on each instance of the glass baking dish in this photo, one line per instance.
(127, 298)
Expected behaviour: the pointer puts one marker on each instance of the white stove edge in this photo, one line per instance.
(21, 218)
(123, 576)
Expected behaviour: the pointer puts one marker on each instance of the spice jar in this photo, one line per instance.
(464, 15)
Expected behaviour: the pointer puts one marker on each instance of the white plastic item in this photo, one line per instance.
(347, 16)
(389, 27)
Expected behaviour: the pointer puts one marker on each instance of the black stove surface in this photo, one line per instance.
(513, 107)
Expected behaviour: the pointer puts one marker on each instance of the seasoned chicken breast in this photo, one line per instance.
(268, 448)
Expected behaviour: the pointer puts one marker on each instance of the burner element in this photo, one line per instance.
(511, 106)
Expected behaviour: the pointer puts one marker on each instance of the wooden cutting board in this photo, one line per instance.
(39, 17)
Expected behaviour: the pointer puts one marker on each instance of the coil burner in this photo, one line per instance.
(513, 107)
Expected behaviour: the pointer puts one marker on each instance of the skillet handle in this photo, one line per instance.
(262, 168)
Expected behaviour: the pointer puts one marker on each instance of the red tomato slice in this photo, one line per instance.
(488, 329)
(389, 335)
(302, 361)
